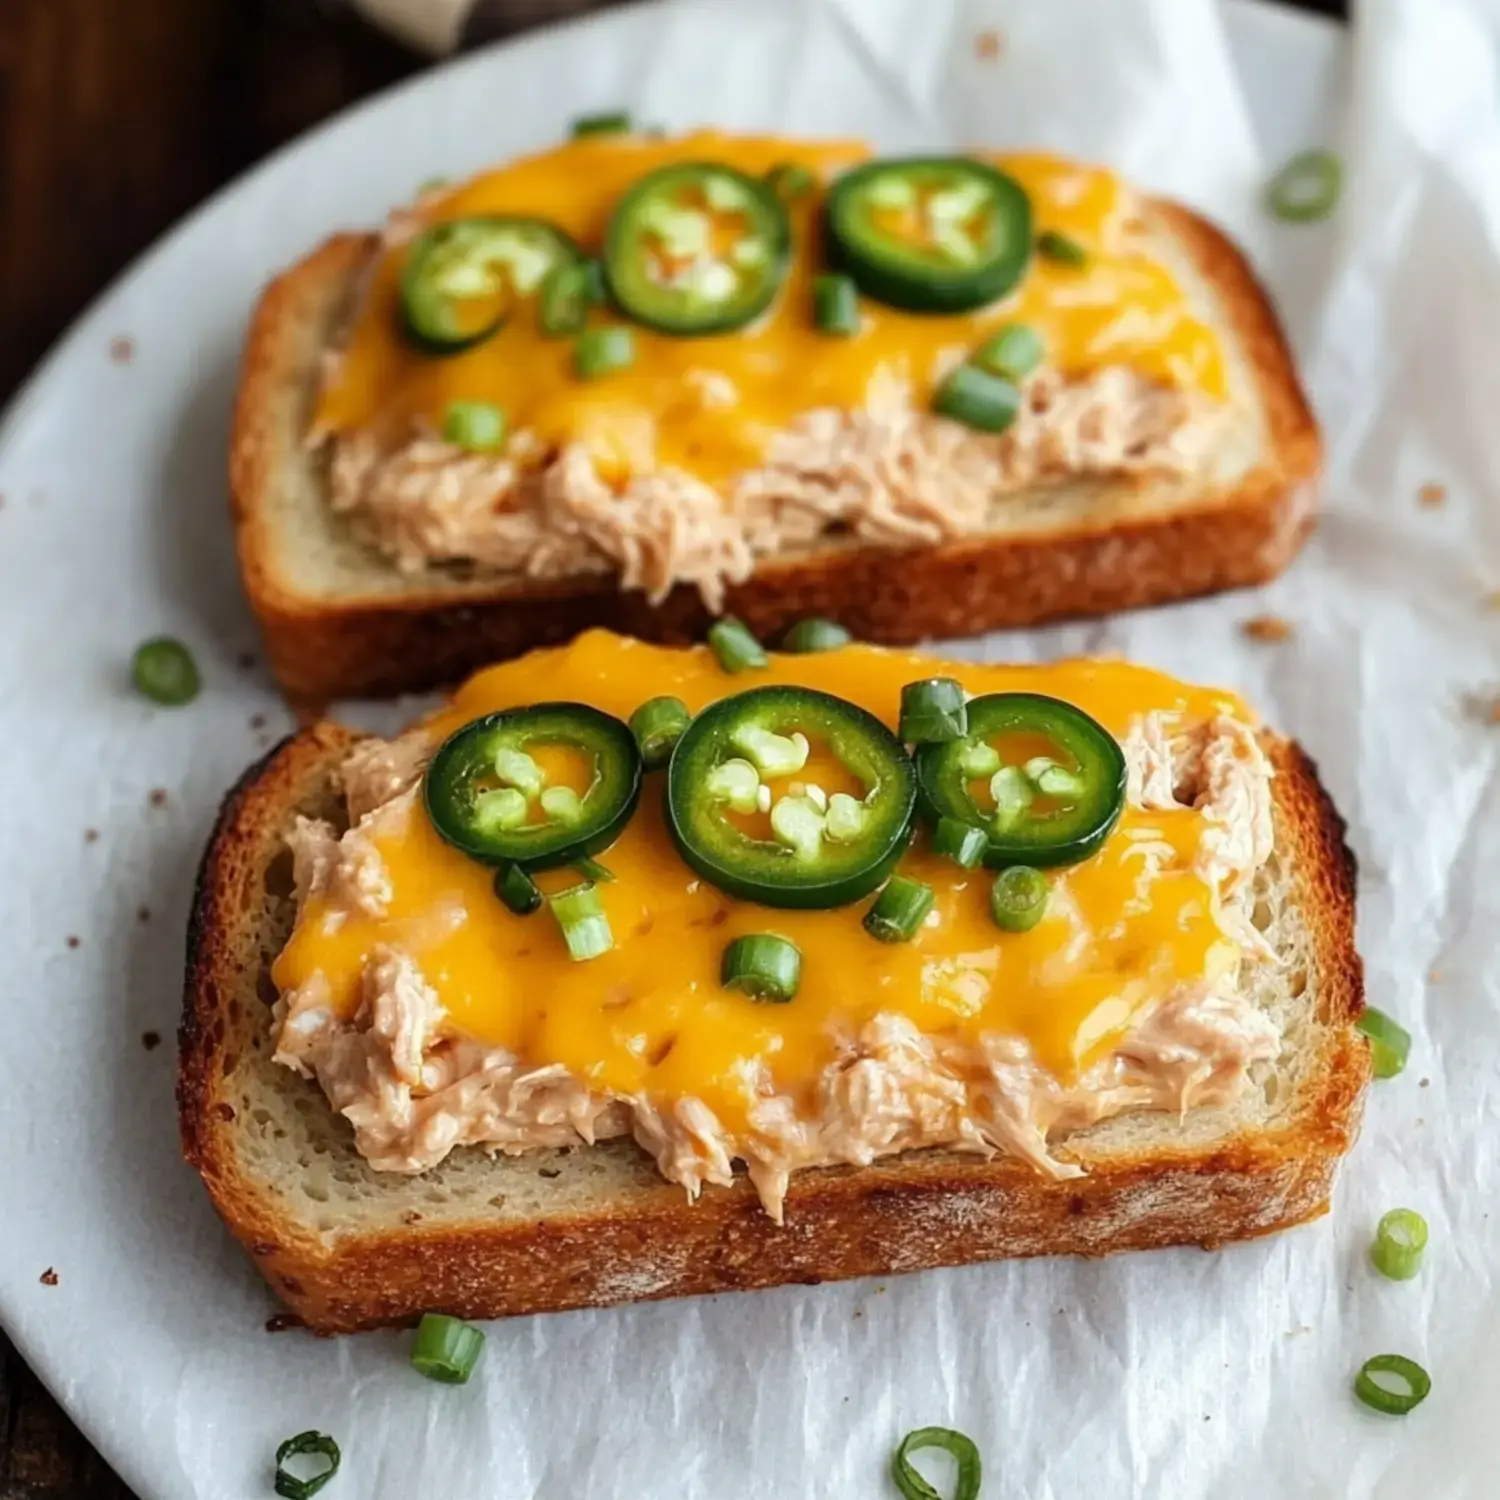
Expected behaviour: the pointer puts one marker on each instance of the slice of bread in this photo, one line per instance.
(349, 1248)
(340, 620)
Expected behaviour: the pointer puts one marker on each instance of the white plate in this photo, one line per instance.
(113, 527)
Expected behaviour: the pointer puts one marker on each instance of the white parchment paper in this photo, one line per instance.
(1175, 1375)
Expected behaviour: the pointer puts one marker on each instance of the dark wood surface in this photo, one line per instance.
(116, 117)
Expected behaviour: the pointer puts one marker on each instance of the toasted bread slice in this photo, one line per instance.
(350, 1248)
(338, 619)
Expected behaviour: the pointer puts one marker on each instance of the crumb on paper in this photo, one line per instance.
(151, 1040)
(1431, 495)
(1267, 629)
(1483, 707)
(1423, 1083)
(91, 835)
(143, 914)
(257, 721)
(280, 1322)
(122, 348)
(1491, 600)
(1434, 976)
(988, 45)
(246, 661)
(74, 940)
(158, 797)
(49, 1277)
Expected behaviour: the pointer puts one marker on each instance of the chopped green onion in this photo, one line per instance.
(561, 804)
(1054, 245)
(964, 1453)
(164, 671)
(789, 180)
(899, 910)
(603, 351)
(736, 649)
(1307, 188)
(429, 185)
(736, 783)
(1014, 352)
(614, 122)
(657, 726)
(1392, 1384)
(1400, 1239)
(836, 304)
(933, 711)
(474, 426)
(978, 399)
(516, 768)
(319, 1443)
(517, 890)
(770, 753)
(979, 761)
(585, 928)
(591, 869)
(1013, 796)
(565, 298)
(845, 820)
(963, 843)
(1018, 899)
(1390, 1043)
(446, 1349)
(815, 635)
(762, 966)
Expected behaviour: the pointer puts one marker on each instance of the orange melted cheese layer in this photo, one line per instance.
(649, 1016)
(1124, 308)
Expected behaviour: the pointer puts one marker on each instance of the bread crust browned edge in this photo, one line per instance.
(375, 646)
(919, 1210)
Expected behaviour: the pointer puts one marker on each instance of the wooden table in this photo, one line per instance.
(116, 117)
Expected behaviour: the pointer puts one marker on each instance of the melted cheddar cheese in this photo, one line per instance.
(707, 405)
(650, 1017)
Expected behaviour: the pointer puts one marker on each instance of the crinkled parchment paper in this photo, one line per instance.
(1178, 1374)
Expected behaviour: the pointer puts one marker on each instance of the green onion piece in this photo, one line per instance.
(657, 726)
(978, 399)
(319, 1443)
(736, 649)
(446, 1349)
(615, 122)
(789, 180)
(1307, 188)
(1062, 248)
(585, 928)
(429, 185)
(763, 966)
(1400, 1239)
(899, 910)
(561, 804)
(979, 761)
(965, 1455)
(164, 671)
(474, 426)
(565, 298)
(1393, 1384)
(1390, 1043)
(1018, 899)
(591, 869)
(836, 304)
(815, 635)
(933, 711)
(963, 843)
(1013, 796)
(603, 351)
(1014, 352)
(517, 890)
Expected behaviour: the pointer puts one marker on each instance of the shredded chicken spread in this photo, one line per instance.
(889, 474)
(413, 1089)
